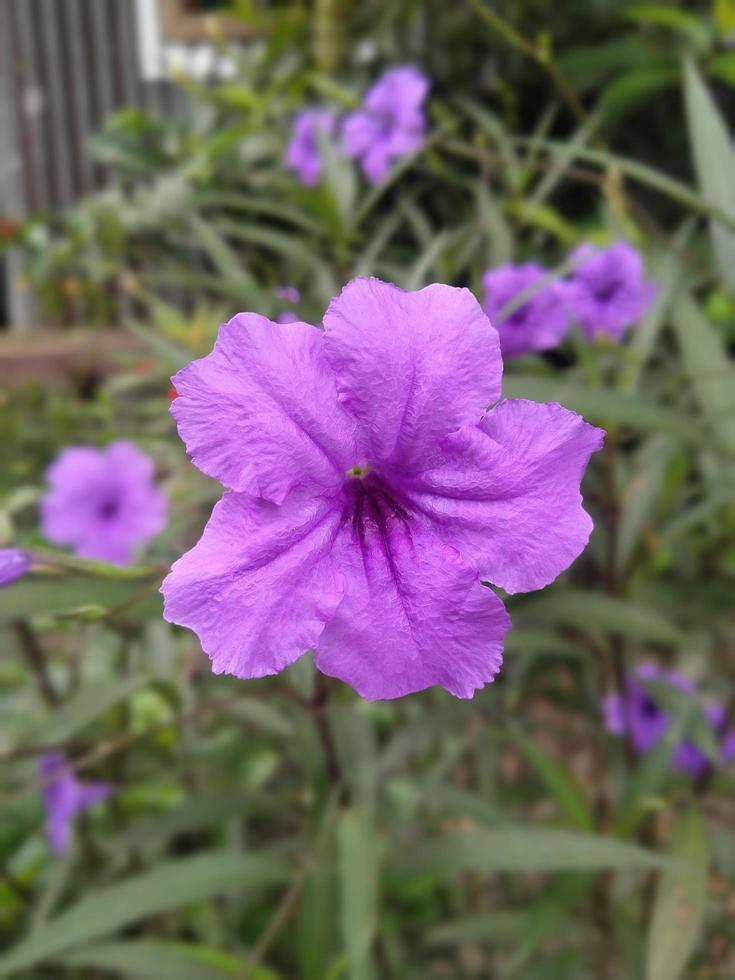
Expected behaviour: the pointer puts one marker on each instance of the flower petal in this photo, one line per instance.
(414, 615)
(260, 413)
(259, 586)
(507, 493)
(411, 366)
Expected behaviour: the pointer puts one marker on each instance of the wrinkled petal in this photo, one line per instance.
(507, 493)
(260, 413)
(259, 586)
(411, 366)
(414, 615)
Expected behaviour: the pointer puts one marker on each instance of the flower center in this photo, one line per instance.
(108, 509)
(605, 291)
(373, 506)
(359, 471)
(649, 708)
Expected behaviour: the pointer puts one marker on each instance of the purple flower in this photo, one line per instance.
(640, 717)
(371, 493)
(302, 155)
(64, 797)
(14, 563)
(102, 502)
(391, 123)
(288, 293)
(537, 324)
(607, 291)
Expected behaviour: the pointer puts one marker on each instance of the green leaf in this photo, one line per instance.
(560, 783)
(680, 901)
(153, 959)
(491, 927)
(629, 90)
(646, 175)
(714, 162)
(606, 406)
(63, 594)
(80, 710)
(596, 611)
(515, 848)
(690, 26)
(707, 364)
(359, 854)
(169, 885)
(642, 493)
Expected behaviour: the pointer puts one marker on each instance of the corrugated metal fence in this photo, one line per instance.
(65, 67)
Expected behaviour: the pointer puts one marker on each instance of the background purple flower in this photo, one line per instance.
(14, 563)
(539, 323)
(608, 291)
(391, 122)
(64, 797)
(372, 493)
(288, 293)
(302, 155)
(644, 721)
(102, 502)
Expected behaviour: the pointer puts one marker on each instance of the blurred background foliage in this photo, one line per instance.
(260, 829)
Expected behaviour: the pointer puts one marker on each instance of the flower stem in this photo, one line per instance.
(36, 660)
(318, 707)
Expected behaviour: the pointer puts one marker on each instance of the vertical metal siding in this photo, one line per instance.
(70, 64)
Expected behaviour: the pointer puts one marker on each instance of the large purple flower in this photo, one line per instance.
(14, 564)
(539, 323)
(102, 502)
(391, 122)
(608, 291)
(639, 716)
(64, 797)
(303, 155)
(372, 493)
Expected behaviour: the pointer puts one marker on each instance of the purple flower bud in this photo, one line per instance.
(64, 797)
(14, 563)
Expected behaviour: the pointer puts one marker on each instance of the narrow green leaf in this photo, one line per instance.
(707, 364)
(169, 885)
(714, 161)
(153, 959)
(642, 493)
(80, 710)
(492, 927)
(359, 854)
(560, 783)
(522, 849)
(680, 901)
(62, 594)
(644, 174)
(590, 610)
(606, 406)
